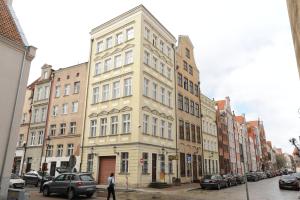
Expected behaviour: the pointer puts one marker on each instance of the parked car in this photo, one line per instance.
(252, 176)
(16, 182)
(239, 178)
(289, 182)
(35, 178)
(269, 174)
(230, 179)
(72, 184)
(261, 175)
(213, 181)
(297, 175)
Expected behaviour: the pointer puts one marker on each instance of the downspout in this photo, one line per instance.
(201, 133)
(85, 106)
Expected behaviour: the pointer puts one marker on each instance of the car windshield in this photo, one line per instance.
(208, 177)
(86, 177)
(297, 174)
(13, 176)
(288, 177)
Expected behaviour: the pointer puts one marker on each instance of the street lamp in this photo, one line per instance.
(44, 165)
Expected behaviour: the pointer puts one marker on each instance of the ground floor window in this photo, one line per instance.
(199, 165)
(189, 165)
(124, 162)
(145, 163)
(182, 164)
(90, 159)
(170, 166)
(162, 163)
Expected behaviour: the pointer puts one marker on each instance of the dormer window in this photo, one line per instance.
(45, 75)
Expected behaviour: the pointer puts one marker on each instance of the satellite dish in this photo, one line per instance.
(72, 162)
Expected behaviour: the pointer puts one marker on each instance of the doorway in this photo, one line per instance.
(154, 158)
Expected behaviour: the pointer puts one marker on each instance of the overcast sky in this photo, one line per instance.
(243, 49)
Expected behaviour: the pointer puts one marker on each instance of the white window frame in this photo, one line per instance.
(119, 38)
(105, 92)
(126, 123)
(73, 128)
(146, 87)
(116, 90)
(57, 91)
(93, 128)
(74, 106)
(65, 109)
(114, 125)
(127, 87)
(95, 98)
(128, 57)
(118, 61)
(129, 33)
(145, 123)
(103, 126)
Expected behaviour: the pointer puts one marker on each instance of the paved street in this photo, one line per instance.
(263, 190)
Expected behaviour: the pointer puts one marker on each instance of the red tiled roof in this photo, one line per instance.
(252, 123)
(8, 27)
(221, 104)
(240, 119)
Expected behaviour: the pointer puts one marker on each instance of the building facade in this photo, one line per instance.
(210, 136)
(188, 112)
(130, 112)
(243, 142)
(65, 117)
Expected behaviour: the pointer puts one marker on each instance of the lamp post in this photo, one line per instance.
(44, 165)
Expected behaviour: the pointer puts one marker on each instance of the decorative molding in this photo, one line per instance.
(93, 115)
(103, 113)
(155, 112)
(125, 109)
(113, 111)
(127, 46)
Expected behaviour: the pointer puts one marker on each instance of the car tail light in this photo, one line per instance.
(79, 183)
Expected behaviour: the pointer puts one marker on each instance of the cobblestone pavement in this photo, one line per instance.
(263, 190)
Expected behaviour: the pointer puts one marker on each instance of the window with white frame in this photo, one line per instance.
(154, 126)
(146, 87)
(32, 138)
(154, 40)
(119, 38)
(20, 141)
(109, 43)
(192, 107)
(103, 126)
(100, 46)
(44, 114)
(116, 90)
(128, 57)
(54, 110)
(114, 125)
(57, 91)
(146, 57)
(161, 46)
(124, 162)
(170, 130)
(154, 91)
(127, 87)
(169, 73)
(107, 65)
(65, 108)
(147, 34)
(93, 128)
(162, 68)
(95, 95)
(49, 151)
(129, 33)
(162, 163)
(97, 68)
(186, 104)
(118, 61)
(46, 92)
(75, 106)
(90, 159)
(145, 163)
(154, 61)
(67, 89)
(70, 149)
(105, 92)
(126, 123)
(41, 137)
(169, 94)
(76, 87)
(72, 128)
(62, 129)
(60, 149)
(162, 95)
(145, 123)
(36, 115)
(162, 128)
(169, 52)
(39, 93)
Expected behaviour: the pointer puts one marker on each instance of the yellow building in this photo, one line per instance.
(130, 111)
(188, 112)
(210, 137)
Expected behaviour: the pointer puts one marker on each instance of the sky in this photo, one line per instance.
(243, 49)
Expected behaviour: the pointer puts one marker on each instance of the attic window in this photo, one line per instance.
(68, 76)
(77, 75)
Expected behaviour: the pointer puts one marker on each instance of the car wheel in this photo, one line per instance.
(89, 195)
(219, 187)
(46, 192)
(71, 194)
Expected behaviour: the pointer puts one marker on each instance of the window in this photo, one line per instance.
(185, 66)
(75, 106)
(124, 162)
(126, 123)
(162, 128)
(93, 128)
(170, 163)
(118, 61)
(162, 94)
(127, 87)
(128, 57)
(46, 95)
(68, 76)
(154, 40)
(192, 108)
(162, 69)
(65, 108)
(41, 137)
(169, 73)
(105, 92)
(116, 90)
(154, 91)
(90, 159)
(114, 125)
(197, 109)
(146, 87)
(36, 115)
(107, 65)
(109, 43)
(103, 125)
(49, 151)
(161, 46)
(182, 165)
(24, 118)
(169, 131)
(154, 60)
(190, 70)
(169, 52)
(67, 89)
(60, 149)
(191, 87)
(100, 46)
(95, 95)
(129, 33)
(54, 110)
(119, 38)
(180, 102)
(57, 91)
(154, 126)
(187, 131)
(97, 68)
(70, 149)
(39, 93)
(76, 87)
(44, 114)
(45, 75)
(196, 90)
(146, 58)
(21, 138)
(186, 104)
(189, 160)
(145, 163)
(62, 128)
(72, 127)
(187, 53)
(193, 133)
(32, 138)
(181, 130)
(162, 163)
(185, 84)
(199, 165)
(145, 123)
(169, 98)
(147, 33)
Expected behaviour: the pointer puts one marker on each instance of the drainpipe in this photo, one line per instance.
(201, 134)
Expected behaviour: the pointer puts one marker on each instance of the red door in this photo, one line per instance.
(107, 165)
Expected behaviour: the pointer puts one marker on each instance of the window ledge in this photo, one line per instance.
(124, 173)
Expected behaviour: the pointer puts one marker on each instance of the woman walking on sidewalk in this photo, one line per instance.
(111, 187)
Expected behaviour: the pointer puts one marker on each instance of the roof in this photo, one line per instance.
(240, 119)
(269, 143)
(295, 152)
(221, 104)
(252, 123)
(9, 28)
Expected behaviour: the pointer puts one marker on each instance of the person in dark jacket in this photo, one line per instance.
(111, 186)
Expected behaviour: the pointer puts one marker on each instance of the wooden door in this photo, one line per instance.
(195, 168)
(154, 158)
(52, 168)
(107, 165)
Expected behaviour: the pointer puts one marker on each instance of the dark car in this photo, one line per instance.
(261, 175)
(35, 178)
(252, 176)
(213, 181)
(230, 179)
(297, 175)
(269, 174)
(71, 184)
(239, 178)
(289, 182)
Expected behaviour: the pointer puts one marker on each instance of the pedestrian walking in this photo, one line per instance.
(111, 187)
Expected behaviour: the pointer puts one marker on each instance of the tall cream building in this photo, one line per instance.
(188, 112)
(210, 136)
(130, 112)
(65, 117)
